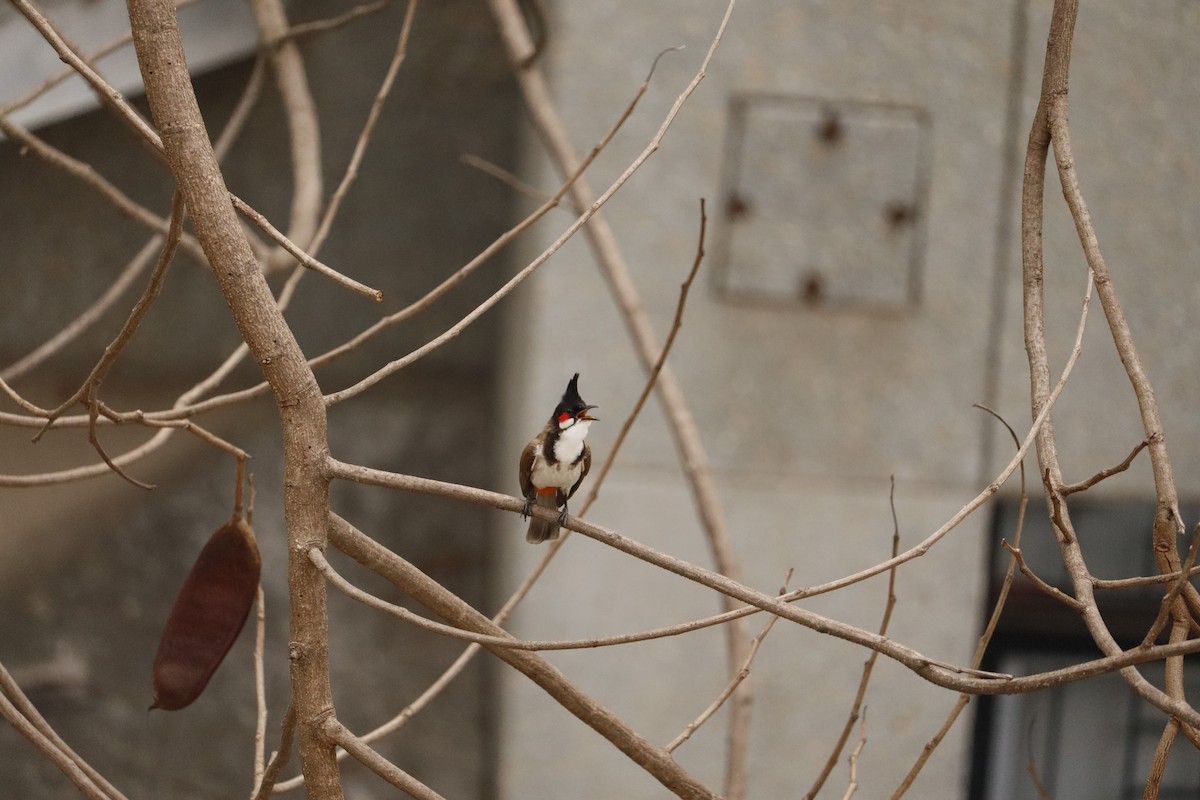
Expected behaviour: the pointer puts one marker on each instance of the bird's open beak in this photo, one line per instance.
(585, 415)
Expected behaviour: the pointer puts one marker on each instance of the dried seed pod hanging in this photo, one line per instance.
(208, 615)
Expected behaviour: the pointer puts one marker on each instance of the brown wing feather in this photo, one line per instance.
(526, 467)
(587, 465)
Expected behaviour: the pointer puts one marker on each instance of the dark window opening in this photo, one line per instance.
(1093, 738)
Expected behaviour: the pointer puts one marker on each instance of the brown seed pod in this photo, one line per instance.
(208, 615)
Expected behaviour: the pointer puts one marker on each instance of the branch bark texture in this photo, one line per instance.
(190, 156)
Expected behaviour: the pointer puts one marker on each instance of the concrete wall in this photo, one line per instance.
(861, 292)
(88, 571)
(808, 401)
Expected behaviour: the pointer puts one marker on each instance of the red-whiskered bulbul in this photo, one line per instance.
(554, 463)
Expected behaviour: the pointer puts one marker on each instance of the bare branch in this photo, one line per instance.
(1142, 580)
(583, 218)
(304, 259)
(17, 708)
(655, 370)
(429, 593)
(304, 131)
(159, 47)
(68, 72)
(507, 640)
(48, 748)
(1050, 124)
(942, 674)
(341, 735)
(89, 471)
(84, 172)
(111, 98)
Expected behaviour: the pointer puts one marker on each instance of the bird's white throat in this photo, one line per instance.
(570, 442)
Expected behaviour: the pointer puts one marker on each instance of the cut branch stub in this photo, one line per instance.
(208, 615)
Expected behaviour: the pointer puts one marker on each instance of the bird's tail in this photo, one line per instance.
(539, 529)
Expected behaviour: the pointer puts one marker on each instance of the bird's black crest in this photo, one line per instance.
(571, 395)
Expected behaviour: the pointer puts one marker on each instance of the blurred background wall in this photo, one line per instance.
(861, 291)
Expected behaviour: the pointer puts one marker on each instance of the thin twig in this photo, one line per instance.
(852, 787)
(1168, 601)
(94, 441)
(1071, 488)
(305, 260)
(939, 673)
(507, 641)
(733, 684)
(89, 392)
(504, 176)
(364, 136)
(107, 95)
(1051, 591)
(280, 757)
(989, 630)
(260, 687)
(1142, 580)
(91, 470)
(69, 72)
(91, 384)
(302, 29)
(1031, 765)
(659, 363)
(868, 667)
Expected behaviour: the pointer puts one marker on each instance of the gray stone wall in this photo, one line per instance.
(88, 572)
(824, 372)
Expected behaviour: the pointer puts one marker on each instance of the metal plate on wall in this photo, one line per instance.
(823, 202)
